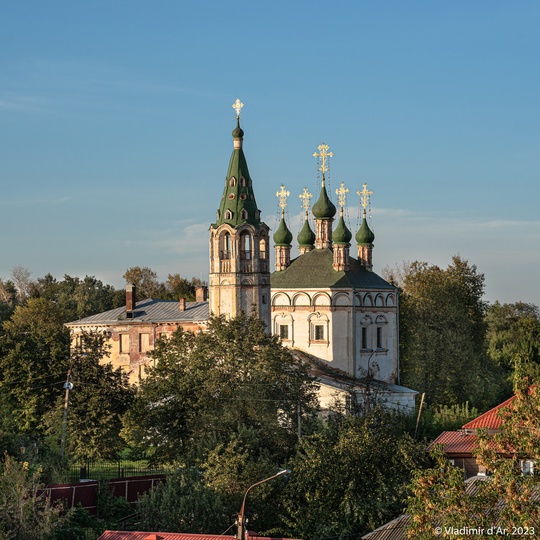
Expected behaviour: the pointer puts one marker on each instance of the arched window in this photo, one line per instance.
(262, 248)
(228, 214)
(242, 182)
(225, 246)
(244, 214)
(232, 182)
(245, 246)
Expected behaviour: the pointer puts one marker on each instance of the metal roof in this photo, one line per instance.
(133, 535)
(150, 310)
(490, 419)
(314, 270)
(456, 442)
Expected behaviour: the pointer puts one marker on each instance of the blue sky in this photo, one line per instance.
(115, 122)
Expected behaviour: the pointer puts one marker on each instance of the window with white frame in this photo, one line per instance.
(284, 331)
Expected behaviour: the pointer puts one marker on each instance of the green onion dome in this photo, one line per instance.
(341, 235)
(324, 208)
(306, 237)
(237, 132)
(283, 237)
(365, 234)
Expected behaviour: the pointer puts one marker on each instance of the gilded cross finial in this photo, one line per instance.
(237, 106)
(365, 195)
(323, 155)
(305, 196)
(282, 195)
(342, 195)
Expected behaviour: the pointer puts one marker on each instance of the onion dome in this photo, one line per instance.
(283, 237)
(237, 132)
(324, 208)
(306, 237)
(341, 234)
(365, 234)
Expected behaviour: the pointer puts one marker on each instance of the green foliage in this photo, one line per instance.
(25, 511)
(513, 339)
(99, 398)
(206, 386)
(34, 349)
(506, 498)
(183, 503)
(443, 335)
(349, 477)
(438, 418)
(76, 298)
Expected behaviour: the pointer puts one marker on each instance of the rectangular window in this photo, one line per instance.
(144, 342)
(319, 332)
(124, 343)
(364, 337)
(284, 331)
(379, 337)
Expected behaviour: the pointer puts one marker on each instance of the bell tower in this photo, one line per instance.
(239, 243)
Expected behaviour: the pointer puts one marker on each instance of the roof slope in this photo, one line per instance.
(150, 310)
(314, 270)
(490, 419)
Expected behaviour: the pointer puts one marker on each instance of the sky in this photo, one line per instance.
(116, 120)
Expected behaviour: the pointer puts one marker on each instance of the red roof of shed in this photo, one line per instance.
(132, 535)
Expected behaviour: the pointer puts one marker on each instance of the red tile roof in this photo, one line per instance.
(456, 443)
(490, 419)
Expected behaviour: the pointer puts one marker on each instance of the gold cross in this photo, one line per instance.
(237, 106)
(282, 197)
(305, 196)
(323, 155)
(342, 195)
(364, 196)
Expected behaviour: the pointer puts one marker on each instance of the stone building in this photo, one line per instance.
(328, 306)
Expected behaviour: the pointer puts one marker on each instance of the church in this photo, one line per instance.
(328, 307)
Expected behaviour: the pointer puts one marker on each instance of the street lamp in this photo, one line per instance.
(241, 533)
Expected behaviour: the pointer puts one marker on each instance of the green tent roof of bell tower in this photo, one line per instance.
(238, 205)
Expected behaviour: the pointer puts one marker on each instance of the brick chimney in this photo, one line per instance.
(182, 304)
(131, 300)
(201, 294)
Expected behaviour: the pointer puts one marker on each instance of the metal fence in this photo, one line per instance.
(108, 470)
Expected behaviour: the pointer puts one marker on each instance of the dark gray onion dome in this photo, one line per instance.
(365, 234)
(341, 235)
(324, 208)
(306, 237)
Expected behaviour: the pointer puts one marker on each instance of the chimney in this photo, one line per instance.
(201, 294)
(182, 304)
(131, 300)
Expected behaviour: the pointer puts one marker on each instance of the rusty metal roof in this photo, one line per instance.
(149, 311)
(393, 530)
(490, 419)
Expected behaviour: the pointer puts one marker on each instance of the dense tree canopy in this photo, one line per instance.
(507, 498)
(350, 476)
(443, 334)
(206, 386)
(513, 339)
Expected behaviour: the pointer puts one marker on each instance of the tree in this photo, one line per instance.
(443, 334)
(99, 398)
(507, 498)
(206, 386)
(145, 279)
(183, 503)
(25, 511)
(349, 477)
(513, 338)
(34, 350)
(21, 279)
(75, 297)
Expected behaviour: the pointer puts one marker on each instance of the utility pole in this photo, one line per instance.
(419, 413)
(68, 385)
